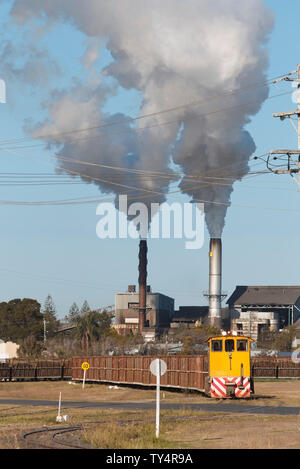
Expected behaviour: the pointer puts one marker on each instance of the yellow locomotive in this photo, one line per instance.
(229, 366)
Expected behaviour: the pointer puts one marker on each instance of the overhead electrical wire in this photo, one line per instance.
(201, 184)
(164, 111)
(154, 173)
(102, 180)
(94, 179)
(138, 129)
(80, 202)
(142, 172)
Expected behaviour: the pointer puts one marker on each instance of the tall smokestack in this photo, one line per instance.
(215, 281)
(142, 284)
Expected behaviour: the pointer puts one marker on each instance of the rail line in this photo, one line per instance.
(51, 432)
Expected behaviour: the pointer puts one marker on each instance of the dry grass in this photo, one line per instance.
(107, 429)
(209, 432)
(131, 436)
(278, 393)
(138, 432)
(72, 391)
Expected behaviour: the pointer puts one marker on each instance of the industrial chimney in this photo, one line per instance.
(142, 284)
(215, 281)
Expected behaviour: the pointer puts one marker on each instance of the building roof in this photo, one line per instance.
(264, 295)
(136, 294)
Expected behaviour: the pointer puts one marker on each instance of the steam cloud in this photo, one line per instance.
(173, 52)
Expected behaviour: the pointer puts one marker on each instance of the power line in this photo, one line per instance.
(153, 114)
(156, 113)
(160, 124)
(148, 191)
(71, 202)
(154, 173)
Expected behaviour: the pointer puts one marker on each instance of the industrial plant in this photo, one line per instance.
(250, 310)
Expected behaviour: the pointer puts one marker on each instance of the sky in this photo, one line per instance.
(55, 250)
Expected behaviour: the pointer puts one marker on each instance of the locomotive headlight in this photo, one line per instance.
(224, 332)
(234, 333)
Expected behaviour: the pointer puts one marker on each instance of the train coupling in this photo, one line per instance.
(230, 389)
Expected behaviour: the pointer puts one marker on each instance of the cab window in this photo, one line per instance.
(216, 346)
(229, 345)
(242, 345)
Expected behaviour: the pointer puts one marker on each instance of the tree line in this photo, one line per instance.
(35, 329)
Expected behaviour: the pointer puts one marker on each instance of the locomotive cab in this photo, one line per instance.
(229, 366)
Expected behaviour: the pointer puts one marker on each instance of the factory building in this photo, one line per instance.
(189, 316)
(159, 311)
(255, 309)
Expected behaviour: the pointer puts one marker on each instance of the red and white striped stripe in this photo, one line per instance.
(218, 387)
(245, 390)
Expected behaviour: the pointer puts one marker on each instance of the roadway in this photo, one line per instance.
(228, 407)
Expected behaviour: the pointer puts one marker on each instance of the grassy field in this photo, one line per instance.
(116, 429)
(275, 393)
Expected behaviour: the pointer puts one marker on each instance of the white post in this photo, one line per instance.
(157, 397)
(59, 405)
(84, 373)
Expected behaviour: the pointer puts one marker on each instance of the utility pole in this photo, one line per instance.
(298, 101)
(293, 156)
(298, 129)
(45, 331)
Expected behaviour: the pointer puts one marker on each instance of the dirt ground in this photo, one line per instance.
(211, 431)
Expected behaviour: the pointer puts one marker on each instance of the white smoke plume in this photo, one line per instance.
(173, 52)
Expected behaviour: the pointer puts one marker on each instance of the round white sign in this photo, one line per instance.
(154, 367)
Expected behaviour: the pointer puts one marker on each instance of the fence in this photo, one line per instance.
(182, 371)
(186, 372)
(19, 369)
(279, 367)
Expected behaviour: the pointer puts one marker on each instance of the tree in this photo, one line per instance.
(73, 313)
(20, 319)
(49, 313)
(194, 339)
(91, 326)
(105, 320)
(85, 308)
(111, 341)
(279, 341)
(30, 348)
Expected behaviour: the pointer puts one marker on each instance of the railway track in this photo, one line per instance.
(47, 438)
(50, 437)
